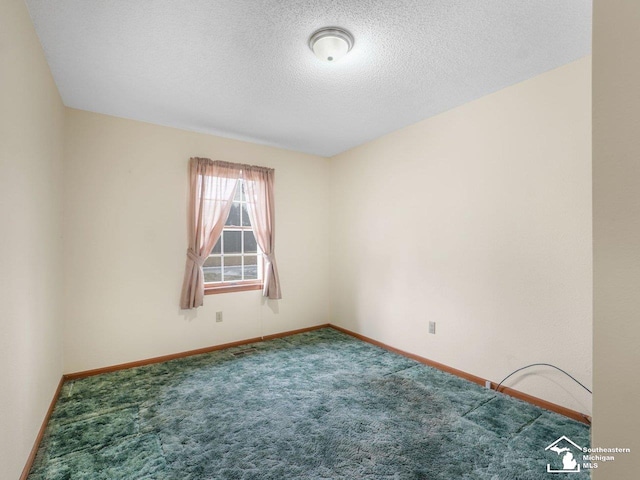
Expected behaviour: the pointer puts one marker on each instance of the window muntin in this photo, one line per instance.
(236, 257)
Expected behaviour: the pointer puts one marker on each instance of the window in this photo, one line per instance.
(235, 262)
(244, 250)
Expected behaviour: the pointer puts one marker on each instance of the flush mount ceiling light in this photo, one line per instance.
(331, 43)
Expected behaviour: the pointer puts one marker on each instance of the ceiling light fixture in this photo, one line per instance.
(331, 43)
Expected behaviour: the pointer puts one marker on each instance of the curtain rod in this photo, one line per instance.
(243, 166)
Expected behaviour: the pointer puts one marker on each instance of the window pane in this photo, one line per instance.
(216, 248)
(232, 241)
(211, 262)
(212, 270)
(232, 268)
(238, 192)
(250, 267)
(246, 221)
(244, 196)
(234, 215)
(250, 245)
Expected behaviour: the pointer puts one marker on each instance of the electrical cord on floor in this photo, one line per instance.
(586, 418)
(542, 365)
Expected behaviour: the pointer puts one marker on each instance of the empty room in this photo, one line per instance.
(319, 240)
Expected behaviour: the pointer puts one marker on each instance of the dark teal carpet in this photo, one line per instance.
(319, 405)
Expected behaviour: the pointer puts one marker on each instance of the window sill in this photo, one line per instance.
(212, 289)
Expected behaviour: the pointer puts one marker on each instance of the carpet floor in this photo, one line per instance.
(317, 405)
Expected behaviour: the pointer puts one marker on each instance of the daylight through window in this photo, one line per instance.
(236, 257)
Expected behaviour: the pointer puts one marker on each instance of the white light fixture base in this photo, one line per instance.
(331, 43)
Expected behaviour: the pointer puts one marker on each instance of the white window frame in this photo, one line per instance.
(223, 286)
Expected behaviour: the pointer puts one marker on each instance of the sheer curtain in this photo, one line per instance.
(258, 182)
(212, 188)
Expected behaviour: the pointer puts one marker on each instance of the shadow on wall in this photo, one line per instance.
(273, 305)
(188, 315)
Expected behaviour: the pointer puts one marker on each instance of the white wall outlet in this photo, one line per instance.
(432, 327)
(487, 384)
(218, 317)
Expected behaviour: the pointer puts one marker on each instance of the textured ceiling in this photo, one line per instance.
(242, 68)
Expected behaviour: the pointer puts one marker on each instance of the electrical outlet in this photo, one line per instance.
(218, 317)
(432, 327)
(487, 384)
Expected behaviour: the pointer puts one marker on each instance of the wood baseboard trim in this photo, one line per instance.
(539, 402)
(567, 412)
(43, 428)
(189, 353)
(295, 332)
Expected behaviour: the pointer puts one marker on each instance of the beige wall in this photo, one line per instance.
(616, 215)
(31, 131)
(478, 219)
(125, 242)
